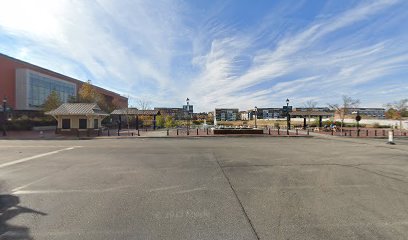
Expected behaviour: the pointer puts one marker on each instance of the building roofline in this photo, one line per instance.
(56, 73)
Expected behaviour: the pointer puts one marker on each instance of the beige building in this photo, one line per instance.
(78, 118)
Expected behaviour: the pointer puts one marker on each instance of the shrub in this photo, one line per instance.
(160, 121)
(196, 122)
(28, 124)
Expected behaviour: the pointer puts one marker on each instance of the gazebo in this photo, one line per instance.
(135, 113)
(311, 114)
(74, 118)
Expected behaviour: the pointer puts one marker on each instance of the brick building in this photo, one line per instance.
(27, 86)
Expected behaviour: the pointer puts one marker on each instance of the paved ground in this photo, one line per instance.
(204, 188)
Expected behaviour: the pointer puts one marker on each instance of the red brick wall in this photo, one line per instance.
(8, 68)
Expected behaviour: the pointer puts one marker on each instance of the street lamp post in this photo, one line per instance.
(4, 116)
(256, 116)
(287, 112)
(188, 115)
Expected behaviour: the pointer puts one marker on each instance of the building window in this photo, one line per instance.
(40, 87)
(66, 123)
(96, 124)
(82, 123)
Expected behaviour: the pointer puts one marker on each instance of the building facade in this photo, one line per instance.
(176, 113)
(74, 118)
(27, 86)
(315, 109)
(188, 109)
(226, 114)
(266, 113)
(371, 112)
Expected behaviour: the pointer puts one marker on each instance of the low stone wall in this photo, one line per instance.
(238, 131)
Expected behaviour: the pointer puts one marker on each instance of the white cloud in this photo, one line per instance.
(321, 71)
(162, 51)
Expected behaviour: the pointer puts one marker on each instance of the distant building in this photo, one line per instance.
(188, 109)
(243, 115)
(371, 112)
(226, 114)
(176, 113)
(315, 109)
(266, 113)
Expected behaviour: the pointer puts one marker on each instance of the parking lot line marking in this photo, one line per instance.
(34, 157)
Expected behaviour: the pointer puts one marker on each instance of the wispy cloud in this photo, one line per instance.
(167, 50)
(300, 66)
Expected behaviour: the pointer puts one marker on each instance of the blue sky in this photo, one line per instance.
(237, 53)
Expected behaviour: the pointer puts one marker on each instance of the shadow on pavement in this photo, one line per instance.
(9, 208)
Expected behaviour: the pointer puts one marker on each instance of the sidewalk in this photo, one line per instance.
(26, 135)
(401, 143)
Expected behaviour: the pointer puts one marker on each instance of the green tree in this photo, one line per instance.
(169, 122)
(160, 121)
(52, 102)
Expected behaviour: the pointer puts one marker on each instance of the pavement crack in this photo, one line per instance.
(236, 196)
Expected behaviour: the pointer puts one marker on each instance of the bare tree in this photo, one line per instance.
(128, 116)
(343, 109)
(398, 108)
(143, 104)
(310, 105)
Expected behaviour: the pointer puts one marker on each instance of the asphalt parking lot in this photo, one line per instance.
(204, 188)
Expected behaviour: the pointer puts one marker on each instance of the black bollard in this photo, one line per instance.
(375, 133)
(132, 134)
(167, 132)
(367, 132)
(138, 133)
(207, 131)
(177, 132)
(118, 133)
(197, 131)
(278, 131)
(297, 131)
(307, 131)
